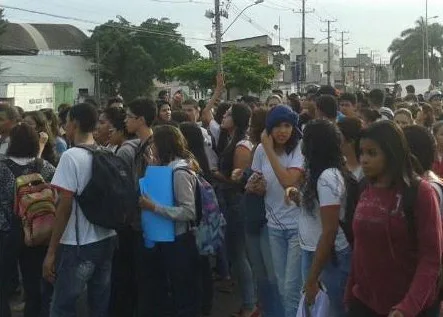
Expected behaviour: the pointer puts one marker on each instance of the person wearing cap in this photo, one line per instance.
(279, 161)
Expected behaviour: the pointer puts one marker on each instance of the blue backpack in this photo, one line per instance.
(209, 228)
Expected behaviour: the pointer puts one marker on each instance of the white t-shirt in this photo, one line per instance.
(73, 174)
(331, 190)
(279, 214)
(209, 151)
(214, 127)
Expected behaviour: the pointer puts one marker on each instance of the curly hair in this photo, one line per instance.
(320, 156)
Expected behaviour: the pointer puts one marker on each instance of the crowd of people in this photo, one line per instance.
(330, 191)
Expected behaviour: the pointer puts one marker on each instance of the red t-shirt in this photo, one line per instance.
(387, 270)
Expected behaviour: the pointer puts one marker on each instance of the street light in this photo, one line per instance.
(241, 12)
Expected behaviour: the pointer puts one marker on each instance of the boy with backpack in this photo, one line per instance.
(84, 250)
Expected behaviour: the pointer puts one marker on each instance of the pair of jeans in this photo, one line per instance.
(167, 278)
(259, 253)
(334, 277)
(123, 287)
(358, 309)
(286, 257)
(236, 247)
(80, 267)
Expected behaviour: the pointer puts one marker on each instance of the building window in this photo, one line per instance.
(325, 50)
(309, 51)
(315, 50)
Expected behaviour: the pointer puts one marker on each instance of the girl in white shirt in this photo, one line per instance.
(278, 159)
(326, 254)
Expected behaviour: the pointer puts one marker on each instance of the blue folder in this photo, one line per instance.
(158, 185)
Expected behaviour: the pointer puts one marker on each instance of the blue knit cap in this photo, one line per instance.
(279, 114)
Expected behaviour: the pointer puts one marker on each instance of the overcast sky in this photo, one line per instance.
(372, 24)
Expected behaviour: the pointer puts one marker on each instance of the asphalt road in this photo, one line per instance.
(224, 305)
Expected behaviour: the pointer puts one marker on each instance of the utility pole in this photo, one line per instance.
(302, 66)
(303, 46)
(359, 68)
(97, 73)
(343, 74)
(427, 41)
(329, 48)
(218, 36)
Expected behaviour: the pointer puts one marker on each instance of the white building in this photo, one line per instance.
(316, 59)
(46, 56)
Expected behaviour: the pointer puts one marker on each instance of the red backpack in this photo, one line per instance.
(34, 205)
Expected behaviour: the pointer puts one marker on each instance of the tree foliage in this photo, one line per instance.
(245, 70)
(132, 56)
(408, 53)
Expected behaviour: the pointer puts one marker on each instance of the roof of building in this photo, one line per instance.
(29, 38)
(262, 41)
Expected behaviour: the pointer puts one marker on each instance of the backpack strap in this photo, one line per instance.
(197, 198)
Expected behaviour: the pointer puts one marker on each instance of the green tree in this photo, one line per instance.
(245, 70)
(199, 75)
(132, 56)
(408, 53)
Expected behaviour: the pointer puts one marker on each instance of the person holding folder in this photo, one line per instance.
(178, 259)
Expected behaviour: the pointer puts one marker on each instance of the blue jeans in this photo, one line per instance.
(286, 256)
(334, 277)
(259, 253)
(236, 247)
(79, 267)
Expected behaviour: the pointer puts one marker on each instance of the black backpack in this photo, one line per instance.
(110, 199)
(354, 189)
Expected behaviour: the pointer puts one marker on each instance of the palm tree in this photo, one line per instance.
(408, 51)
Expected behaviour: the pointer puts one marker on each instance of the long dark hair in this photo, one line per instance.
(170, 144)
(42, 125)
(258, 124)
(240, 116)
(320, 156)
(194, 137)
(392, 142)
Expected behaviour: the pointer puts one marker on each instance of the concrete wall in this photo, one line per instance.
(48, 69)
